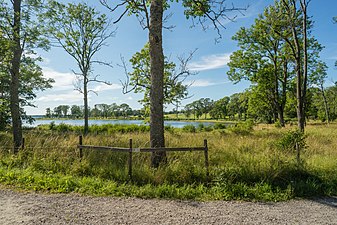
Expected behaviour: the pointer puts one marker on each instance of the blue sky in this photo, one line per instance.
(210, 59)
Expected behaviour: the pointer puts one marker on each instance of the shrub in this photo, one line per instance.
(189, 128)
(289, 140)
(243, 128)
(219, 126)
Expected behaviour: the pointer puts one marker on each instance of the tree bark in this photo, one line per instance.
(157, 82)
(85, 99)
(305, 63)
(15, 78)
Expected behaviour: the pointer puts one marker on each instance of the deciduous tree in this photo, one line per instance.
(82, 32)
(151, 16)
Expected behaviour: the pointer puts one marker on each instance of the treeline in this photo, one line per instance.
(321, 105)
(99, 110)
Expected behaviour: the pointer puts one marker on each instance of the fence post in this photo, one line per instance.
(130, 160)
(23, 143)
(206, 157)
(80, 140)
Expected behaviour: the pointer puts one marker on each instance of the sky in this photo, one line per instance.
(209, 60)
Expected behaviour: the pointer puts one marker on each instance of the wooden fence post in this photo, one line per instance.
(23, 143)
(80, 140)
(206, 158)
(130, 160)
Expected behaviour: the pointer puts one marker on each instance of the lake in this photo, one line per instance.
(177, 124)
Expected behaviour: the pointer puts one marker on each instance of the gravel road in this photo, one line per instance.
(36, 208)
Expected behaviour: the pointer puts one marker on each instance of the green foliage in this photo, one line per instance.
(189, 128)
(290, 139)
(242, 128)
(97, 129)
(140, 82)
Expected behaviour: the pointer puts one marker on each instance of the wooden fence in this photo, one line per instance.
(131, 150)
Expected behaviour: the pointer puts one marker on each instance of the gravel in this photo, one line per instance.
(36, 208)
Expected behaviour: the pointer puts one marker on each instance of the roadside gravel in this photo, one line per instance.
(35, 208)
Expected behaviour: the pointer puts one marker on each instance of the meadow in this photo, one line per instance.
(247, 162)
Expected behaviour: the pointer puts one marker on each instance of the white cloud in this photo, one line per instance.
(62, 80)
(105, 87)
(203, 83)
(210, 62)
(69, 97)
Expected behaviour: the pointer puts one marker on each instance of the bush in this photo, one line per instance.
(219, 126)
(243, 128)
(189, 128)
(289, 140)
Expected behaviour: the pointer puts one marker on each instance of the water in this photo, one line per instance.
(177, 124)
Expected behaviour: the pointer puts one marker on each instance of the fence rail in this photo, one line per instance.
(132, 150)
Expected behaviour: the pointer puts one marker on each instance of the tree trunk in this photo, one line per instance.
(305, 62)
(277, 100)
(15, 78)
(157, 81)
(86, 111)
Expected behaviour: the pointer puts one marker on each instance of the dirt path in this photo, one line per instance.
(32, 208)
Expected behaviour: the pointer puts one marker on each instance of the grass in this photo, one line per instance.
(245, 164)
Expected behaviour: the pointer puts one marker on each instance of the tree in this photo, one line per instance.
(125, 110)
(318, 77)
(291, 12)
(58, 111)
(82, 32)
(219, 110)
(104, 109)
(263, 60)
(48, 113)
(139, 80)
(21, 34)
(64, 109)
(76, 111)
(238, 105)
(150, 15)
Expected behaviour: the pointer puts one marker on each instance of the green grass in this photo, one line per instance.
(244, 163)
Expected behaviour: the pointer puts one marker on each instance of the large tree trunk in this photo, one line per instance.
(305, 62)
(86, 110)
(157, 81)
(15, 78)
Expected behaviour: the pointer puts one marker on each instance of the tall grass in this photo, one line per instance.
(244, 164)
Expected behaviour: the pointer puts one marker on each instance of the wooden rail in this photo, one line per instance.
(131, 150)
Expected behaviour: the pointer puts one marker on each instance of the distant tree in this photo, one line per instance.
(125, 110)
(219, 110)
(58, 111)
(48, 113)
(238, 105)
(104, 109)
(114, 108)
(318, 77)
(76, 111)
(65, 109)
(206, 105)
(82, 32)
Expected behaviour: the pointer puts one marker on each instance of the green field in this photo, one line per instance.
(245, 163)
